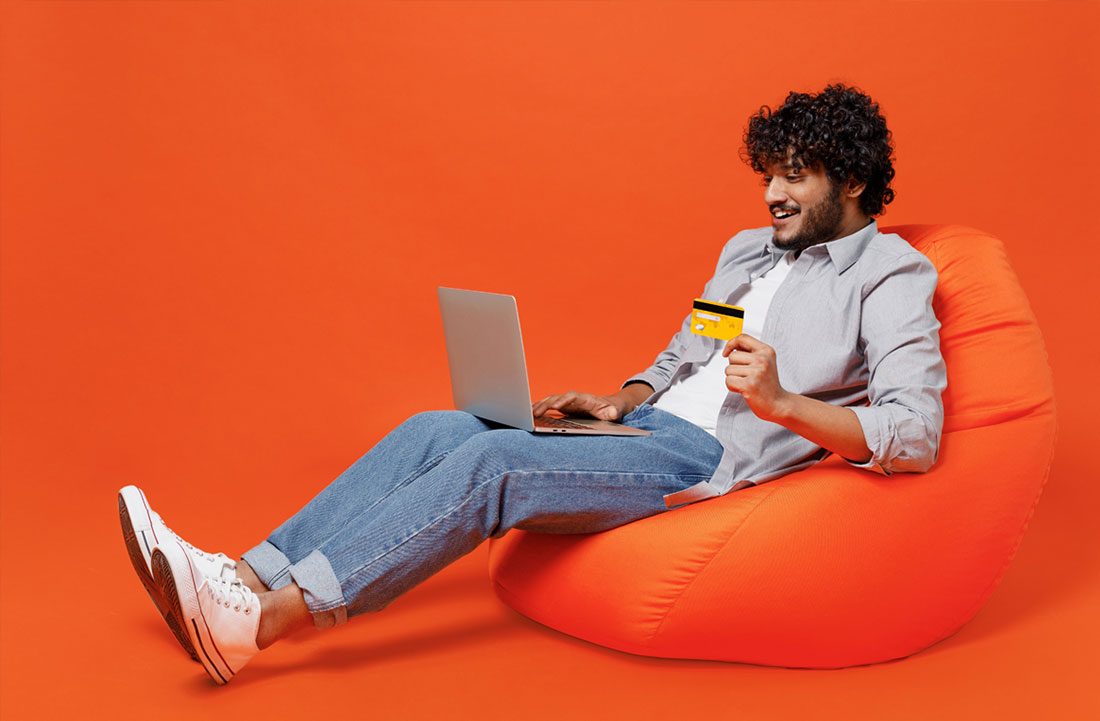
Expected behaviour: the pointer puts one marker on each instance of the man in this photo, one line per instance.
(840, 354)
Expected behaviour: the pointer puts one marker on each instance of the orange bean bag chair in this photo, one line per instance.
(832, 566)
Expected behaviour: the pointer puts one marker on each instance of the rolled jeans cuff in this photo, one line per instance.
(321, 590)
(313, 574)
(269, 564)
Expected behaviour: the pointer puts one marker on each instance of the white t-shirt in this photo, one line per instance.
(698, 396)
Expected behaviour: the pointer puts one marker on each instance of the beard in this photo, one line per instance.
(820, 223)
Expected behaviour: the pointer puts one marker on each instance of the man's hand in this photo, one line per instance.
(575, 403)
(607, 408)
(754, 374)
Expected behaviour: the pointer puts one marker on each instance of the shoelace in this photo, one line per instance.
(231, 593)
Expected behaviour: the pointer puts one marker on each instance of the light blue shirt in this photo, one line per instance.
(852, 325)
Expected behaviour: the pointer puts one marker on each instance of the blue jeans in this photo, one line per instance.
(442, 482)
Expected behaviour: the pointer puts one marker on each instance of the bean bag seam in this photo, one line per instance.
(672, 604)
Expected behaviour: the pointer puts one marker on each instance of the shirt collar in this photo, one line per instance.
(843, 251)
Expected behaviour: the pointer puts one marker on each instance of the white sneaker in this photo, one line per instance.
(142, 531)
(220, 616)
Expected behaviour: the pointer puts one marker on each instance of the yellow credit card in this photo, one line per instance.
(716, 320)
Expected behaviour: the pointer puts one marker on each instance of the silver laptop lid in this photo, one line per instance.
(485, 354)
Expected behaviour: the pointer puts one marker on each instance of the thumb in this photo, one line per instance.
(607, 412)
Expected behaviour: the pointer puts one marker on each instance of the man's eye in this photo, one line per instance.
(766, 180)
(793, 178)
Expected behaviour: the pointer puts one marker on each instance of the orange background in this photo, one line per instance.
(222, 226)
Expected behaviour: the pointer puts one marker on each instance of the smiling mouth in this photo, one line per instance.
(780, 213)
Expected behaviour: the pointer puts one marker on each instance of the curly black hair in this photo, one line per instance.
(840, 129)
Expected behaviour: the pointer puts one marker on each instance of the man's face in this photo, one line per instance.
(806, 206)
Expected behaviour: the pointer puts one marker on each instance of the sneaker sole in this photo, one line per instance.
(179, 588)
(135, 540)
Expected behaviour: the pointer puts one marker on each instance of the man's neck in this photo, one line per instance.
(851, 226)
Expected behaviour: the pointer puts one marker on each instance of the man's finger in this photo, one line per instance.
(562, 402)
(734, 384)
(733, 344)
(743, 342)
(540, 408)
(608, 413)
(747, 341)
(742, 359)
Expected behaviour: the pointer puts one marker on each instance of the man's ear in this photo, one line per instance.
(854, 188)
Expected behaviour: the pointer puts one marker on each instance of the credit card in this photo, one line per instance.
(716, 320)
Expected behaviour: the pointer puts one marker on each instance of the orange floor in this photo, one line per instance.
(221, 228)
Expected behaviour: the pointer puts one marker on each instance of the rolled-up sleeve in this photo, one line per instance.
(900, 336)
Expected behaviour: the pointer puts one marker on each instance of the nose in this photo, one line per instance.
(774, 192)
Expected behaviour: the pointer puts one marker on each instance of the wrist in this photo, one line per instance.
(630, 396)
(623, 402)
(786, 408)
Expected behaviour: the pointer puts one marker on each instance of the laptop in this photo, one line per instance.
(488, 368)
